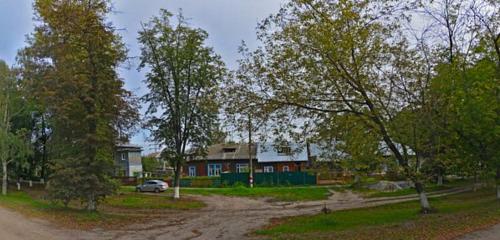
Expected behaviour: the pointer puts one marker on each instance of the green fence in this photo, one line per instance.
(270, 179)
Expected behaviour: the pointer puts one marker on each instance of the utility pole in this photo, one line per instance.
(250, 177)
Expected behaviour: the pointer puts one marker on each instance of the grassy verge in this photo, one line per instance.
(145, 201)
(71, 217)
(114, 212)
(288, 194)
(456, 215)
(428, 188)
(404, 192)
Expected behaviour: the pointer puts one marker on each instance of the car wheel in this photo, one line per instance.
(157, 190)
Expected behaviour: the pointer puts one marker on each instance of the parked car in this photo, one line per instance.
(152, 186)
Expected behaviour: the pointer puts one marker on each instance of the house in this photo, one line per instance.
(282, 158)
(234, 158)
(224, 157)
(128, 160)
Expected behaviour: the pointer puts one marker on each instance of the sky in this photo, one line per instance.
(228, 23)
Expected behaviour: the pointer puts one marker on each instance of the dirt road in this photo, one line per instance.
(492, 233)
(223, 218)
(14, 226)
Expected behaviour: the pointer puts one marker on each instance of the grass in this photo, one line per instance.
(288, 194)
(409, 191)
(456, 215)
(404, 192)
(145, 201)
(114, 212)
(30, 205)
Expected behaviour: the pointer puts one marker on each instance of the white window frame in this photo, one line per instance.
(242, 167)
(268, 169)
(123, 156)
(286, 168)
(192, 171)
(214, 169)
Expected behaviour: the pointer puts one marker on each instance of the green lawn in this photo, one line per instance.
(114, 212)
(33, 206)
(146, 201)
(429, 188)
(288, 194)
(456, 214)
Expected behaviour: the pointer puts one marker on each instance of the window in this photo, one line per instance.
(214, 169)
(284, 151)
(192, 171)
(268, 169)
(242, 167)
(229, 150)
(124, 156)
(286, 168)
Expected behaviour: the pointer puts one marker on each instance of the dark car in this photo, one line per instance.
(152, 186)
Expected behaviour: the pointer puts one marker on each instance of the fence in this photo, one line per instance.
(270, 179)
(201, 182)
(127, 181)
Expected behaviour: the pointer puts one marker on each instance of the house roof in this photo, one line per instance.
(156, 155)
(270, 153)
(226, 151)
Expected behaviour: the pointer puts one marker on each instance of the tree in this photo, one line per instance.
(465, 83)
(360, 147)
(70, 66)
(13, 145)
(149, 164)
(183, 80)
(326, 59)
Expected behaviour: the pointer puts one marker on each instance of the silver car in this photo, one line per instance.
(152, 186)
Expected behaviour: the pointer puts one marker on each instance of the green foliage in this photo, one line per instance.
(70, 67)
(14, 142)
(183, 80)
(149, 164)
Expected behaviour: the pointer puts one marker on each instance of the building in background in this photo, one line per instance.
(234, 158)
(128, 160)
(224, 157)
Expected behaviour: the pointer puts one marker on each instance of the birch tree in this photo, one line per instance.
(13, 145)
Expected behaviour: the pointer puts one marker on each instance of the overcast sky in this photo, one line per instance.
(228, 22)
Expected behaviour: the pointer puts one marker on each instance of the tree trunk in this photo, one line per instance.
(357, 179)
(440, 179)
(4, 178)
(498, 183)
(91, 203)
(475, 185)
(424, 202)
(177, 181)
(250, 170)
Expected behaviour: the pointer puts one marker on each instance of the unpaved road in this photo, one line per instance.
(14, 226)
(492, 233)
(223, 218)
